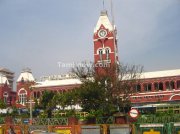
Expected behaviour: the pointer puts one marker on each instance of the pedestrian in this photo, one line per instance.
(11, 130)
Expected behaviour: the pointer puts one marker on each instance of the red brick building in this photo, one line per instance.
(27, 87)
(24, 83)
(105, 44)
(158, 86)
(6, 92)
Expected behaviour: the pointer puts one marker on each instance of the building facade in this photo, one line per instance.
(105, 46)
(105, 42)
(28, 88)
(158, 86)
(9, 75)
(6, 87)
(24, 88)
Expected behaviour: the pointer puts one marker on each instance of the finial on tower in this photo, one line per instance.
(103, 4)
(104, 13)
(27, 69)
(112, 13)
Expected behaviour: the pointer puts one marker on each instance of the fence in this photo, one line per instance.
(102, 126)
(167, 128)
(73, 129)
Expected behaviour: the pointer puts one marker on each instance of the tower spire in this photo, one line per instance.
(112, 14)
(105, 45)
(103, 5)
(114, 29)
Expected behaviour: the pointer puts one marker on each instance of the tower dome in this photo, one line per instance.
(3, 79)
(26, 76)
(103, 20)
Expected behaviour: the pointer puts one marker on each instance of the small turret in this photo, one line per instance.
(26, 76)
(103, 21)
(3, 80)
(24, 83)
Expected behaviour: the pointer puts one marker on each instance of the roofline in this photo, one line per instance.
(43, 86)
(5, 69)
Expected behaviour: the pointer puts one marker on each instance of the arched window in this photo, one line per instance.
(158, 86)
(22, 96)
(178, 84)
(100, 54)
(137, 88)
(147, 87)
(5, 96)
(38, 95)
(35, 95)
(170, 85)
(107, 54)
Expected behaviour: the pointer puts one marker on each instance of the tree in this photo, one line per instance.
(123, 88)
(47, 103)
(64, 99)
(108, 90)
(84, 70)
(2, 104)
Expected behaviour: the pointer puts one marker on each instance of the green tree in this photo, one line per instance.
(93, 97)
(66, 99)
(36, 105)
(2, 104)
(47, 102)
(107, 91)
(123, 87)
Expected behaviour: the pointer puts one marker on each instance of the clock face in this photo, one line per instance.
(102, 33)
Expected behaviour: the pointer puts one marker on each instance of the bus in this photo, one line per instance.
(158, 108)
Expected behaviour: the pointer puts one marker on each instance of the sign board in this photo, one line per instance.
(26, 121)
(62, 129)
(133, 113)
(152, 132)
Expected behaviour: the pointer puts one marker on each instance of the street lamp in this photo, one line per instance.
(30, 105)
(30, 108)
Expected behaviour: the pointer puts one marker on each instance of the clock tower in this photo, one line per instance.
(105, 44)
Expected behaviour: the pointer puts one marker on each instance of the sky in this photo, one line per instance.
(41, 33)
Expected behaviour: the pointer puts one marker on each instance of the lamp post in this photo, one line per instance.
(30, 108)
(30, 105)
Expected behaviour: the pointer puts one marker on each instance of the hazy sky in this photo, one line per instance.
(40, 33)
